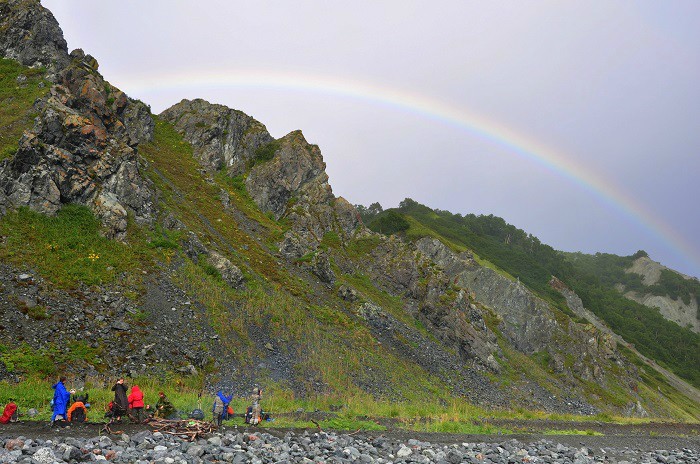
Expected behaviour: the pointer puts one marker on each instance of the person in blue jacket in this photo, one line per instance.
(220, 407)
(61, 397)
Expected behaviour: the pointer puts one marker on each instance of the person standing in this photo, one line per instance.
(61, 397)
(136, 403)
(220, 407)
(255, 406)
(121, 401)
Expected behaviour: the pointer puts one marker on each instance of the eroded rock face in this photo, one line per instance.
(30, 34)
(528, 322)
(430, 297)
(295, 175)
(676, 310)
(82, 150)
(221, 137)
(285, 177)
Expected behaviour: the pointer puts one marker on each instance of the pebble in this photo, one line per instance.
(263, 448)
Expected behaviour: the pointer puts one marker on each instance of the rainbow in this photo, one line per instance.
(498, 134)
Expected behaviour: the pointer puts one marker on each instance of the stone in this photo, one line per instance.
(403, 452)
(44, 456)
(195, 450)
(214, 441)
(120, 325)
(229, 272)
(14, 444)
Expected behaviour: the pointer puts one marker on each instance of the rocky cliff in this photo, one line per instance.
(531, 324)
(684, 313)
(30, 34)
(82, 148)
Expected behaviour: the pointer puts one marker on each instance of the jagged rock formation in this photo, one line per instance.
(528, 321)
(284, 177)
(676, 310)
(30, 34)
(221, 137)
(82, 148)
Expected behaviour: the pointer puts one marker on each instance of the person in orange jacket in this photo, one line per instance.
(77, 412)
(136, 403)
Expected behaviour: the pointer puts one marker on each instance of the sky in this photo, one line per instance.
(575, 121)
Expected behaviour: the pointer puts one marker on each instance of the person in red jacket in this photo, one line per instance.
(136, 403)
(10, 413)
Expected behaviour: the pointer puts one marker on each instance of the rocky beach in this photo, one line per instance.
(37, 443)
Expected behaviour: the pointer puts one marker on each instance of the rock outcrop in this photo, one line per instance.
(30, 34)
(530, 324)
(284, 177)
(82, 150)
(685, 314)
(222, 138)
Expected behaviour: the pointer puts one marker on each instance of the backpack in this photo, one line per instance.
(228, 411)
(78, 415)
(197, 414)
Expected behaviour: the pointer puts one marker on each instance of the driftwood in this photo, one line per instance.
(188, 429)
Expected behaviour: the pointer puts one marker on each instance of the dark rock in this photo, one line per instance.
(221, 137)
(30, 34)
(120, 325)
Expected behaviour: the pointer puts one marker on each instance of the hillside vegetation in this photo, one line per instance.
(193, 251)
(593, 278)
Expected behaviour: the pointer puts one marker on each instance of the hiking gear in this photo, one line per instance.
(9, 413)
(77, 412)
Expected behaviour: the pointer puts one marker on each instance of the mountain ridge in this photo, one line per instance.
(233, 261)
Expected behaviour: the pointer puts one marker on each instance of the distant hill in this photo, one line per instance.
(600, 280)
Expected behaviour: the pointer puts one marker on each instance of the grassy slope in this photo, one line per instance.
(534, 263)
(522, 255)
(333, 345)
(16, 112)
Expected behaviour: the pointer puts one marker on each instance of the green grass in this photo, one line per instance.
(197, 203)
(572, 432)
(16, 103)
(49, 360)
(354, 411)
(67, 249)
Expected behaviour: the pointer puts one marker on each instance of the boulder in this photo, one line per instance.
(229, 272)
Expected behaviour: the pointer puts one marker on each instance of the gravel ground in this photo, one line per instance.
(37, 443)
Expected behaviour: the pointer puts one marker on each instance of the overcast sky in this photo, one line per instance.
(578, 122)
